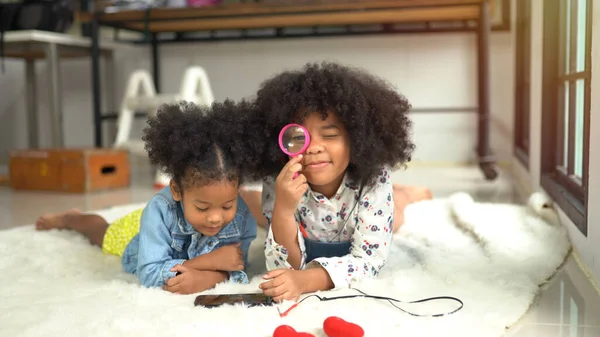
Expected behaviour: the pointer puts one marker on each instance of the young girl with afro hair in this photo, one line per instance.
(333, 223)
(196, 232)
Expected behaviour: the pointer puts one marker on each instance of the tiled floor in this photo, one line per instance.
(568, 306)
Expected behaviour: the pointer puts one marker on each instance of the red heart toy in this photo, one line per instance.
(288, 331)
(337, 327)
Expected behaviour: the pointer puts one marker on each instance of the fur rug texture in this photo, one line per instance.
(493, 257)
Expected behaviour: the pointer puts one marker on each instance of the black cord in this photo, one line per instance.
(391, 300)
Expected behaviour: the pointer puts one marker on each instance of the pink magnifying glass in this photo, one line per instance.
(294, 140)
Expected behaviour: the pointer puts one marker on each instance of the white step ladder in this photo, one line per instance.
(140, 96)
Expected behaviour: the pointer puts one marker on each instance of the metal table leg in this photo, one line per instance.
(486, 160)
(55, 95)
(96, 83)
(110, 88)
(155, 64)
(31, 96)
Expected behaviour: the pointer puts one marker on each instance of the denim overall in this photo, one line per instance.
(316, 249)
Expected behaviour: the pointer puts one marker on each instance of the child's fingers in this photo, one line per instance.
(301, 191)
(301, 188)
(302, 185)
(266, 285)
(274, 273)
(291, 171)
(300, 180)
(293, 161)
(290, 168)
(172, 285)
(174, 289)
(290, 163)
(275, 291)
(178, 268)
(285, 296)
(174, 280)
(273, 283)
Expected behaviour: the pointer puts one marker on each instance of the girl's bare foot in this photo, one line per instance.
(413, 193)
(254, 202)
(404, 196)
(54, 220)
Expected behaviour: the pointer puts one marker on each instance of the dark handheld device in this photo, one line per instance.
(249, 300)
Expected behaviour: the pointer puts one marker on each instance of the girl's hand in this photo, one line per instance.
(289, 190)
(228, 258)
(283, 284)
(192, 281)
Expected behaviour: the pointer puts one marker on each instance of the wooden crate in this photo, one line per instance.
(69, 170)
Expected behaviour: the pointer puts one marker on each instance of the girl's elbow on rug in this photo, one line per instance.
(149, 282)
(149, 279)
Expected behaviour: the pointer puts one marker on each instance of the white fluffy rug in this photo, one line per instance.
(491, 256)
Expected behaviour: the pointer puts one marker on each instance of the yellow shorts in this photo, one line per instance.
(120, 232)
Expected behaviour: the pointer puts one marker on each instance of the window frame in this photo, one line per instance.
(521, 139)
(569, 192)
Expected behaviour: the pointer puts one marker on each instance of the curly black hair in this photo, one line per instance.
(373, 112)
(200, 145)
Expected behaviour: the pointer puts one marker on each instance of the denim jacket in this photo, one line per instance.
(166, 239)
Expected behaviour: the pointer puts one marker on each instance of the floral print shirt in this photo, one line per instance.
(365, 220)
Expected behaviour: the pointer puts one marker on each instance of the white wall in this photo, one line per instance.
(433, 71)
(588, 247)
